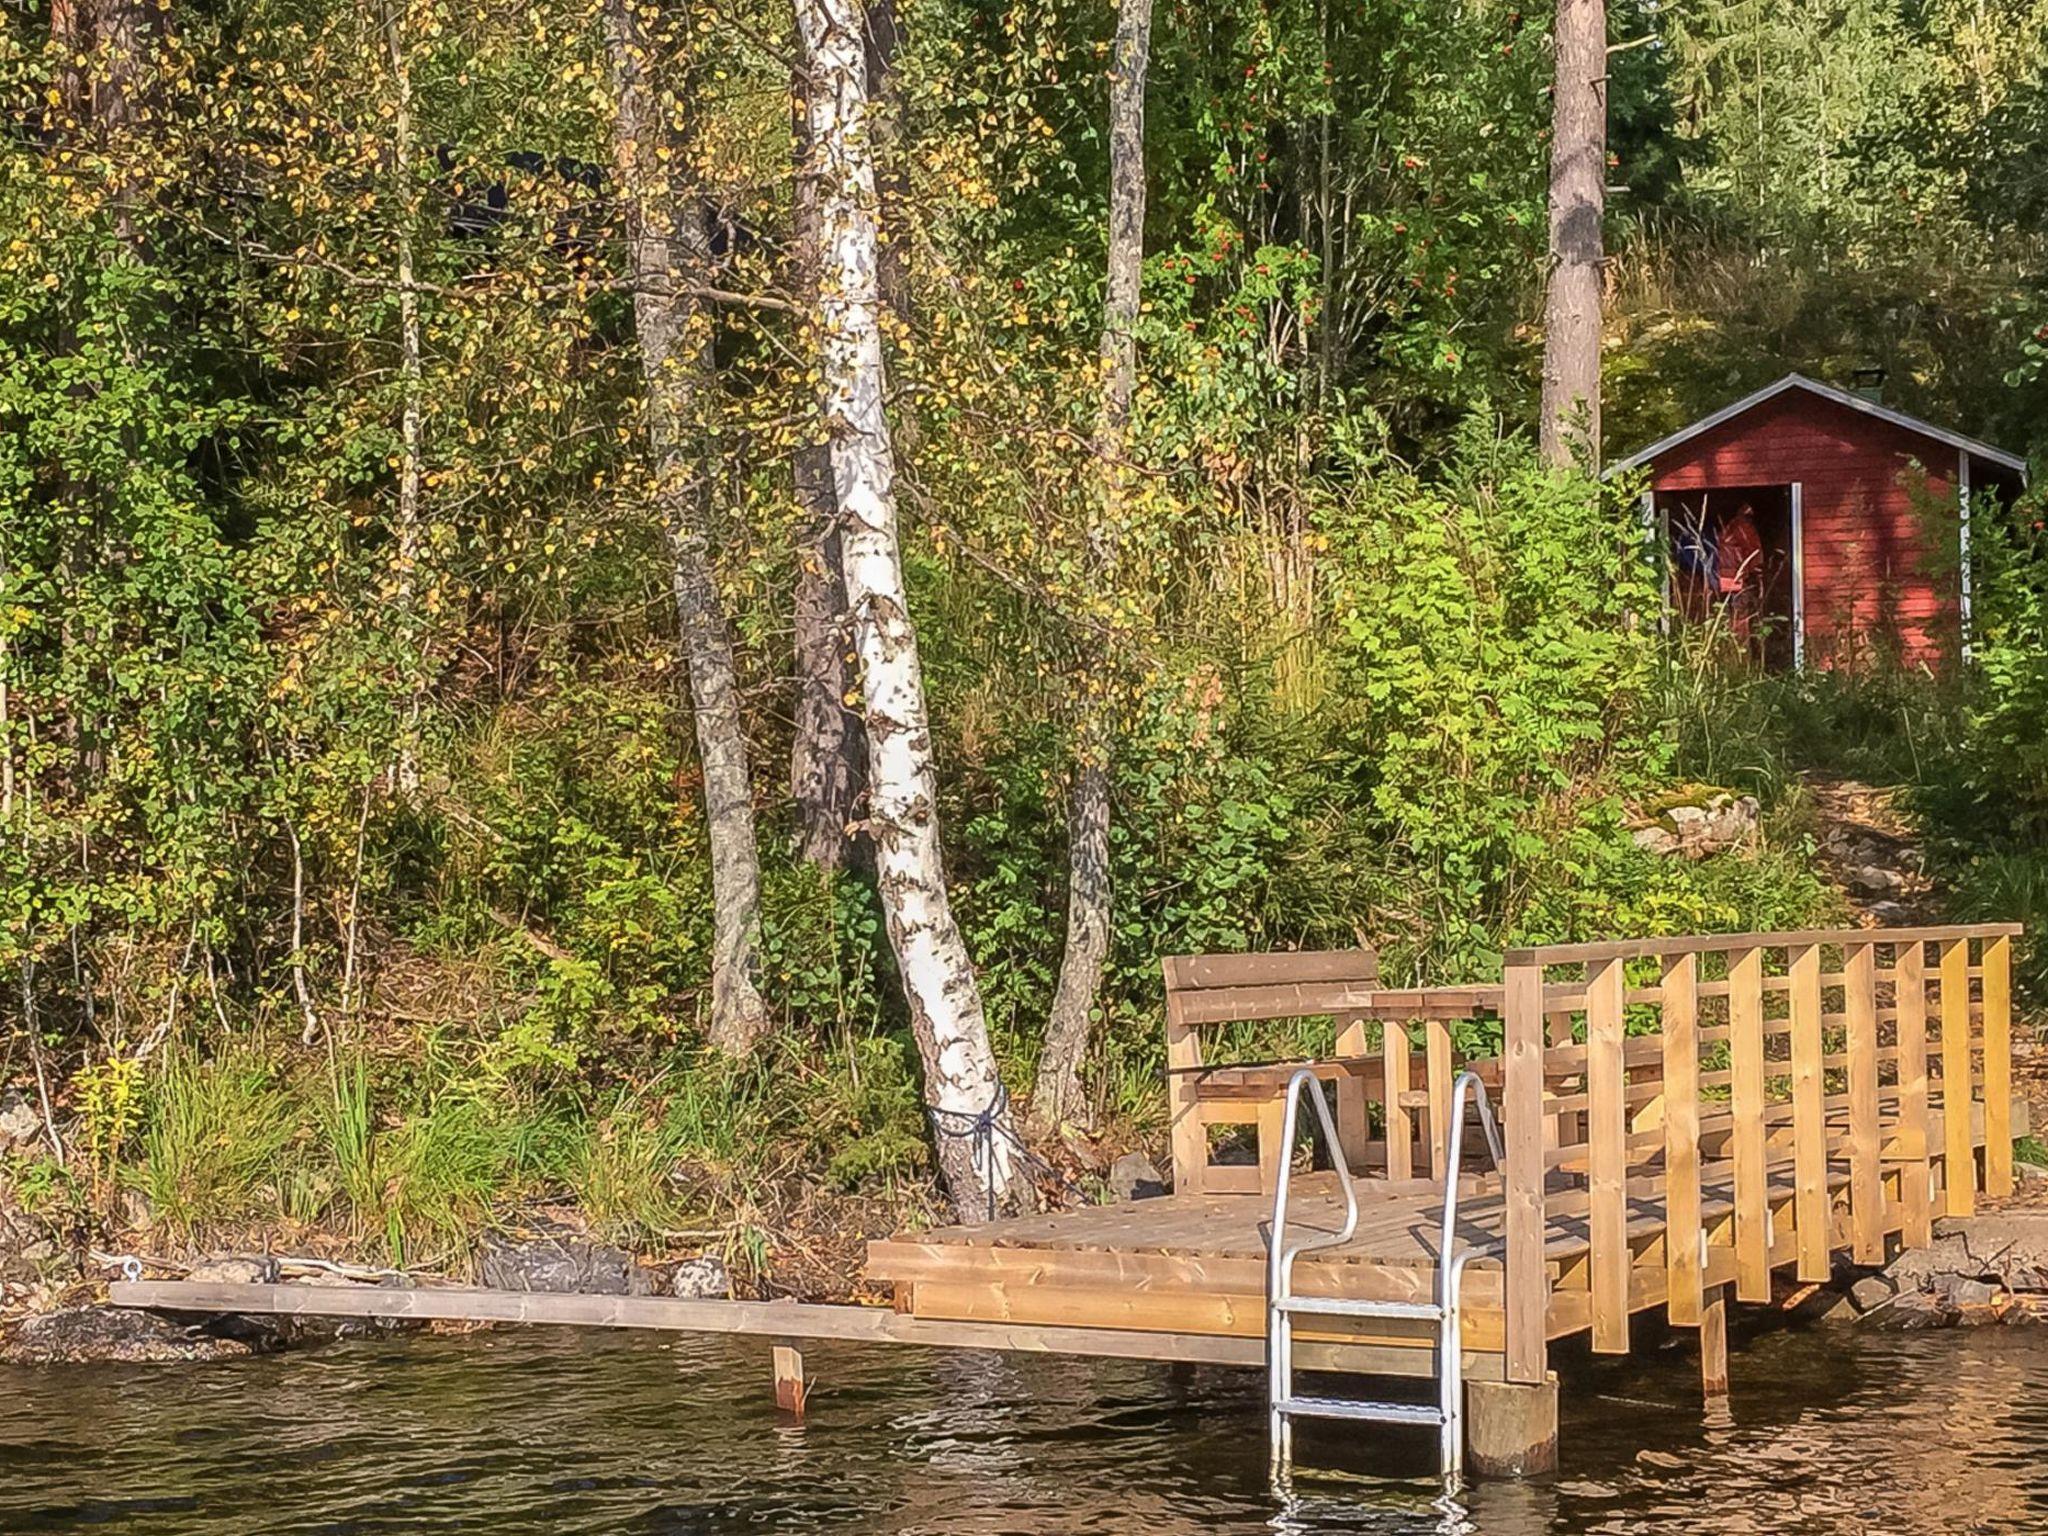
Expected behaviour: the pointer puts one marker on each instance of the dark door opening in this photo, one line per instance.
(1732, 566)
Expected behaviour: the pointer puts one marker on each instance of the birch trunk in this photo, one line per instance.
(826, 762)
(977, 1151)
(1089, 895)
(1569, 431)
(406, 770)
(670, 250)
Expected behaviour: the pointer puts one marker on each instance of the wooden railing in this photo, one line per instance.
(1839, 1082)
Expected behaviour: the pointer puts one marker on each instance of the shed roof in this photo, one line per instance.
(1842, 397)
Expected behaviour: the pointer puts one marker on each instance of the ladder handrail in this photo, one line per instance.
(1279, 1256)
(1451, 1261)
(1454, 1146)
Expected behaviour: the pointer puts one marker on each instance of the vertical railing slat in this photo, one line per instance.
(1866, 1174)
(1958, 1138)
(1752, 1173)
(1810, 1203)
(1680, 1021)
(1436, 1044)
(1527, 1278)
(1400, 1124)
(1607, 1156)
(1916, 1194)
(1997, 968)
(1183, 1058)
(1354, 1121)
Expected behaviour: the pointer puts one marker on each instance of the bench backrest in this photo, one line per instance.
(1232, 989)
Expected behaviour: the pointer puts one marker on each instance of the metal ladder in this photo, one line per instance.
(1283, 1306)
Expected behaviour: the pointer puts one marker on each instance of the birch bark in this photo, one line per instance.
(1089, 893)
(670, 253)
(978, 1154)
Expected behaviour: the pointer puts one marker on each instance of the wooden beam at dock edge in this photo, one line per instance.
(769, 1319)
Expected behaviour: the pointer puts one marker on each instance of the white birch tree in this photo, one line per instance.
(979, 1156)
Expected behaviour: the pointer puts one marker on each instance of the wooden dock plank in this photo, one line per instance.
(766, 1319)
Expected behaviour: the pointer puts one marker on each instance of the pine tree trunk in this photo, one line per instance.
(670, 245)
(828, 756)
(976, 1147)
(1089, 895)
(1570, 426)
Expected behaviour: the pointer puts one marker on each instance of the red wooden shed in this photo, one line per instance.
(1824, 527)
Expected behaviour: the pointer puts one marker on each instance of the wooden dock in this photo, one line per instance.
(1684, 1119)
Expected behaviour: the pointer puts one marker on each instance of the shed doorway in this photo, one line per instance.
(1735, 564)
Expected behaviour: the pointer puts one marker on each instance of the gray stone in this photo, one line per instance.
(563, 1263)
(2028, 1172)
(1133, 1177)
(1917, 1267)
(20, 1125)
(703, 1278)
(1875, 880)
(1870, 1291)
(234, 1269)
(1961, 1292)
(1915, 1310)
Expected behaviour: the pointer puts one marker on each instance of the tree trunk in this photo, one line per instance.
(1088, 882)
(406, 768)
(827, 758)
(670, 247)
(978, 1153)
(885, 132)
(1570, 427)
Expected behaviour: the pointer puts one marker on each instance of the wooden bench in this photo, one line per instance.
(1204, 992)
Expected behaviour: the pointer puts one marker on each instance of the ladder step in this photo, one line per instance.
(1345, 1306)
(1351, 1408)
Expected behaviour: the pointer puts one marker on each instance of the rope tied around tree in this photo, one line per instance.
(980, 1129)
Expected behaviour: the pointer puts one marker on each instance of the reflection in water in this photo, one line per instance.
(1832, 1432)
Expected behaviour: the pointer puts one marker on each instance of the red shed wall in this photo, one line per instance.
(1878, 572)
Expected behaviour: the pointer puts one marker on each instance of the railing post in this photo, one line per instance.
(1959, 1136)
(1607, 1155)
(1997, 967)
(1527, 1278)
(1916, 1194)
(1746, 1142)
(1810, 1202)
(1679, 1020)
(1866, 1172)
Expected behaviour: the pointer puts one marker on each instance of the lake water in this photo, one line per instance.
(1831, 1430)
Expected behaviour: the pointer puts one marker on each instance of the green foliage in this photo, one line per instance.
(298, 754)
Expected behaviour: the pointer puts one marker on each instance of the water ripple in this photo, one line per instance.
(1832, 1432)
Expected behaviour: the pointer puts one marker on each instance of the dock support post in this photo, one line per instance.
(1714, 1345)
(1511, 1427)
(790, 1389)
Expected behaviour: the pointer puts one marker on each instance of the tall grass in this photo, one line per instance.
(213, 1138)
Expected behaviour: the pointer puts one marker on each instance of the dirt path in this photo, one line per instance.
(1870, 851)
